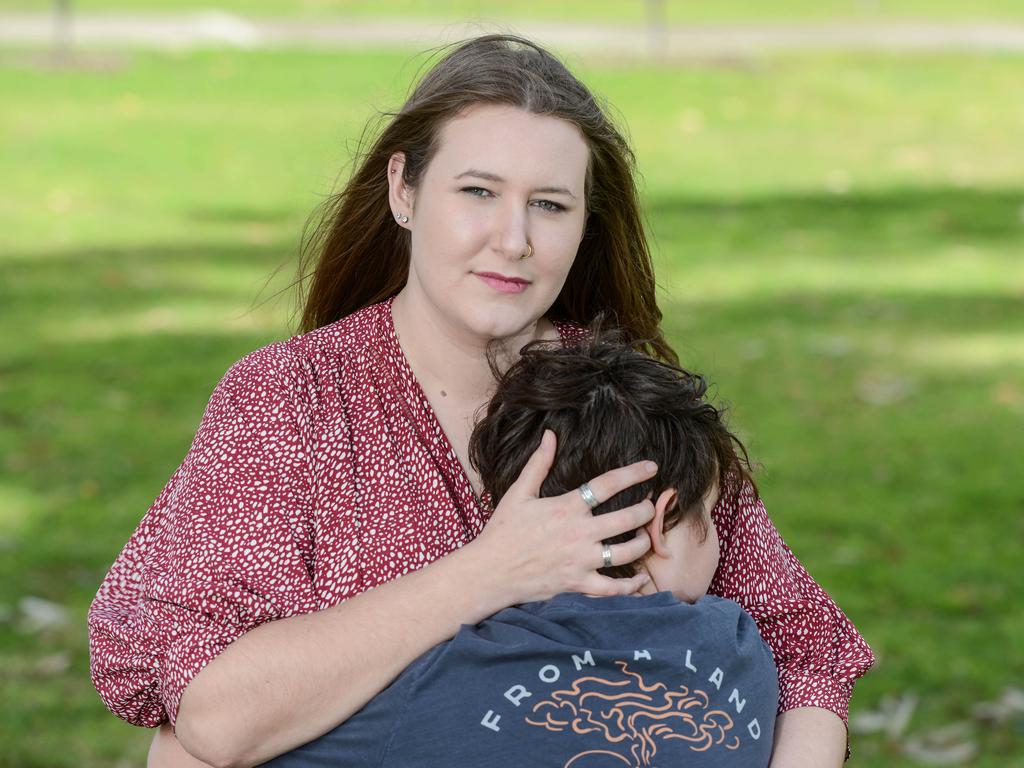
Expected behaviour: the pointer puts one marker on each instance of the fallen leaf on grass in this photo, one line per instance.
(950, 745)
(830, 346)
(891, 718)
(1001, 710)
(53, 664)
(875, 389)
(752, 349)
(1006, 393)
(38, 615)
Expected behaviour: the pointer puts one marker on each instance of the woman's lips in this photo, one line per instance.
(503, 284)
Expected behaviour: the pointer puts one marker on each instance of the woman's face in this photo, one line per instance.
(502, 178)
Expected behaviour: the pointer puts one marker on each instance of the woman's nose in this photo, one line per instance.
(512, 233)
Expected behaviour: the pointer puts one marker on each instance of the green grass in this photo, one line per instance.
(592, 11)
(839, 240)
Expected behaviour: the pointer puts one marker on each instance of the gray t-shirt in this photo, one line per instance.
(578, 682)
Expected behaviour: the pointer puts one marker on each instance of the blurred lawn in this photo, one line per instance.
(840, 244)
(595, 11)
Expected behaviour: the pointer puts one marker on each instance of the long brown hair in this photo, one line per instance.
(356, 255)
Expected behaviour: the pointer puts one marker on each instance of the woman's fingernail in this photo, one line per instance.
(650, 466)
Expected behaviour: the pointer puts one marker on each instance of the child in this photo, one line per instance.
(669, 676)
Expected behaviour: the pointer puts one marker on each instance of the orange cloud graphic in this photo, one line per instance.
(634, 716)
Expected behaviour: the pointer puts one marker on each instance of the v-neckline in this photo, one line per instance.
(418, 401)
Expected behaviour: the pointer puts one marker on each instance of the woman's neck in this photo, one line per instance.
(447, 360)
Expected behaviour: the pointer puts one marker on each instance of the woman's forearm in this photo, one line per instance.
(809, 737)
(289, 681)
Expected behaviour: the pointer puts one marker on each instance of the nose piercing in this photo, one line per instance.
(529, 252)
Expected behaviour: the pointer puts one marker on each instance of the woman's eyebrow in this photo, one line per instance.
(496, 178)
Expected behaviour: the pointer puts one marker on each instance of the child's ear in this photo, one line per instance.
(655, 528)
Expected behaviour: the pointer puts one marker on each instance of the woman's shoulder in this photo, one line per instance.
(356, 332)
(306, 363)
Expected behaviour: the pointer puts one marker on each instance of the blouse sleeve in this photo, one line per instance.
(817, 650)
(226, 546)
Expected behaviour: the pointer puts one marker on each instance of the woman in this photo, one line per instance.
(498, 203)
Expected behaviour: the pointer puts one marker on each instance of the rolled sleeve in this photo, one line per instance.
(226, 546)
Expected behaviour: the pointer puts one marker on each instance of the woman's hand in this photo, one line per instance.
(540, 547)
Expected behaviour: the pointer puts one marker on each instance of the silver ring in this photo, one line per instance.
(606, 555)
(588, 496)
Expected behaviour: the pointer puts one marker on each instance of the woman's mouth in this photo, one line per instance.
(502, 283)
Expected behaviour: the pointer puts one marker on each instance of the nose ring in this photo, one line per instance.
(529, 252)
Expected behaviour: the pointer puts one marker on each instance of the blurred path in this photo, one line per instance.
(214, 29)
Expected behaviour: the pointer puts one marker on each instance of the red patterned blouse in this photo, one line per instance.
(320, 470)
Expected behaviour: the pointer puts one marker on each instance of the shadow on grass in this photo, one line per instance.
(898, 314)
(138, 277)
(859, 222)
(242, 215)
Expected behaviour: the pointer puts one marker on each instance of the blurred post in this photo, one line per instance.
(62, 31)
(657, 27)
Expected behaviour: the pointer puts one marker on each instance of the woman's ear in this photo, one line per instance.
(656, 526)
(400, 195)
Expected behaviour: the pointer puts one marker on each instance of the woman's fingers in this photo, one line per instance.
(612, 524)
(628, 551)
(615, 480)
(554, 544)
(605, 586)
(532, 476)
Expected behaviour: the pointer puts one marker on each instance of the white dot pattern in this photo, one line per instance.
(320, 470)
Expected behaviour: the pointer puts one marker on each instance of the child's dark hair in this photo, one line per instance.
(609, 405)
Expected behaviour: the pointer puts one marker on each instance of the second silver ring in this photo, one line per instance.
(606, 555)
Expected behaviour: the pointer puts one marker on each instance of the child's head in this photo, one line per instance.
(611, 405)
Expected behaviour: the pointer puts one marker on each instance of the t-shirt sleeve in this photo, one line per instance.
(818, 651)
(226, 546)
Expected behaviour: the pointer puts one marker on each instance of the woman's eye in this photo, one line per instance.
(545, 205)
(555, 207)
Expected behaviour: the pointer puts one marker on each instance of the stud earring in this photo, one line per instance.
(403, 219)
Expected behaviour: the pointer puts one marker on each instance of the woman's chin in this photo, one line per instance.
(502, 323)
